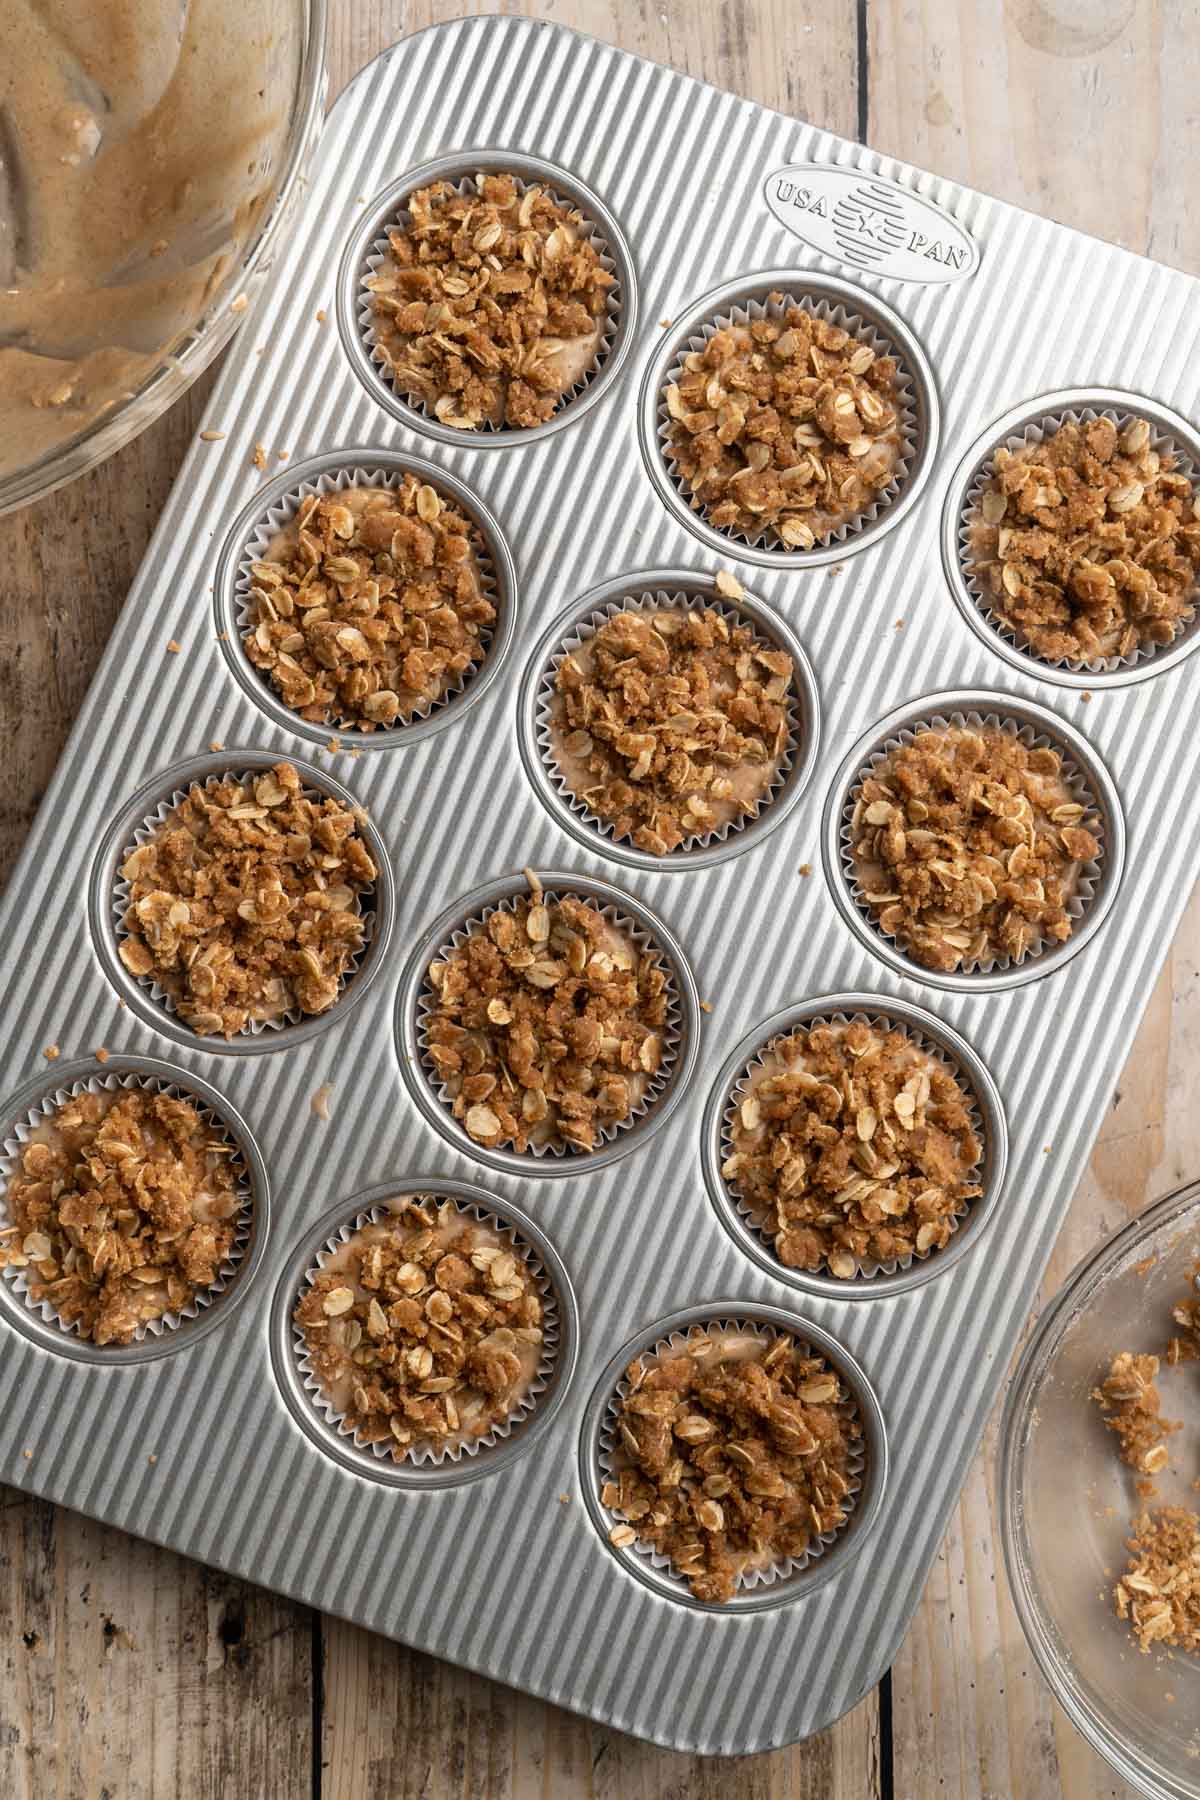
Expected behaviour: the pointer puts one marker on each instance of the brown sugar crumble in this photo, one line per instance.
(489, 307)
(786, 426)
(851, 1144)
(547, 1024)
(968, 845)
(424, 1329)
(1159, 1593)
(245, 903)
(669, 725)
(1131, 1404)
(733, 1455)
(1087, 545)
(123, 1209)
(1184, 1346)
(369, 606)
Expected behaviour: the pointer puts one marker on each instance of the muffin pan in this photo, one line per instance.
(502, 1560)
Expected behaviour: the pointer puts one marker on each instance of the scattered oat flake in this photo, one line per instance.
(27, 1454)
(320, 1100)
(215, 744)
(664, 323)
(728, 585)
(174, 646)
(259, 459)
(706, 1006)
(334, 744)
(805, 870)
(240, 304)
(211, 437)
(320, 315)
(51, 1052)
(899, 625)
(1085, 697)
(102, 1055)
(564, 1499)
(283, 455)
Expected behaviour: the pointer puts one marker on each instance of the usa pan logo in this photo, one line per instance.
(874, 225)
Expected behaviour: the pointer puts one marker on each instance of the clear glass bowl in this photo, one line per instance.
(279, 58)
(1066, 1501)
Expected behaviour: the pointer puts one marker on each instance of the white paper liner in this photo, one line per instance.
(1036, 432)
(588, 229)
(656, 1085)
(433, 1454)
(648, 601)
(1087, 877)
(121, 901)
(675, 1343)
(865, 1269)
(42, 1114)
(859, 328)
(281, 514)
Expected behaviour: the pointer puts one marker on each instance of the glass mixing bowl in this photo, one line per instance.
(1066, 1501)
(149, 152)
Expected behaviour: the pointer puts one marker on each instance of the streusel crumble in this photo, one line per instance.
(245, 903)
(1087, 545)
(424, 1329)
(489, 306)
(123, 1209)
(1132, 1408)
(671, 724)
(851, 1144)
(368, 607)
(968, 845)
(547, 1024)
(1159, 1592)
(789, 426)
(734, 1454)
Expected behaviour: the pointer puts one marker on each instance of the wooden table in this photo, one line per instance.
(127, 1672)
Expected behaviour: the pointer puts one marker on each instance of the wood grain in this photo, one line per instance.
(128, 1672)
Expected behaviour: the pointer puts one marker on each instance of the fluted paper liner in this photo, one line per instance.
(865, 1269)
(277, 517)
(43, 1114)
(834, 313)
(588, 228)
(674, 1344)
(1087, 876)
(143, 832)
(1038, 429)
(434, 1454)
(656, 1084)
(649, 601)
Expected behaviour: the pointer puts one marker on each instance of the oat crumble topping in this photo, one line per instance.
(490, 306)
(423, 1329)
(852, 1145)
(245, 903)
(123, 1209)
(1132, 1406)
(968, 845)
(671, 724)
(369, 606)
(1159, 1593)
(1184, 1346)
(547, 1024)
(733, 1454)
(785, 425)
(1087, 545)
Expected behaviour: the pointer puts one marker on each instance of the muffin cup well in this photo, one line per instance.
(461, 169)
(928, 1033)
(1033, 423)
(779, 1583)
(842, 303)
(272, 509)
(681, 1036)
(108, 897)
(1035, 725)
(34, 1106)
(654, 591)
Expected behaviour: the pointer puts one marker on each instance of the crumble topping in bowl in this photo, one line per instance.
(851, 1144)
(368, 607)
(489, 306)
(547, 1024)
(423, 1330)
(1087, 545)
(123, 1209)
(669, 725)
(244, 903)
(1132, 1406)
(789, 426)
(733, 1454)
(968, 846)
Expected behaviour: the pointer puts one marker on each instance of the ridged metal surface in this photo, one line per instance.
(497, 1574)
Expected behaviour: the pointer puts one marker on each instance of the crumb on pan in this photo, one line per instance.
(849, 1144)
(1087, 545)
(489, 307)
(731, 1457)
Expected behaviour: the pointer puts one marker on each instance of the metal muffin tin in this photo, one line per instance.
(202, 1449)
